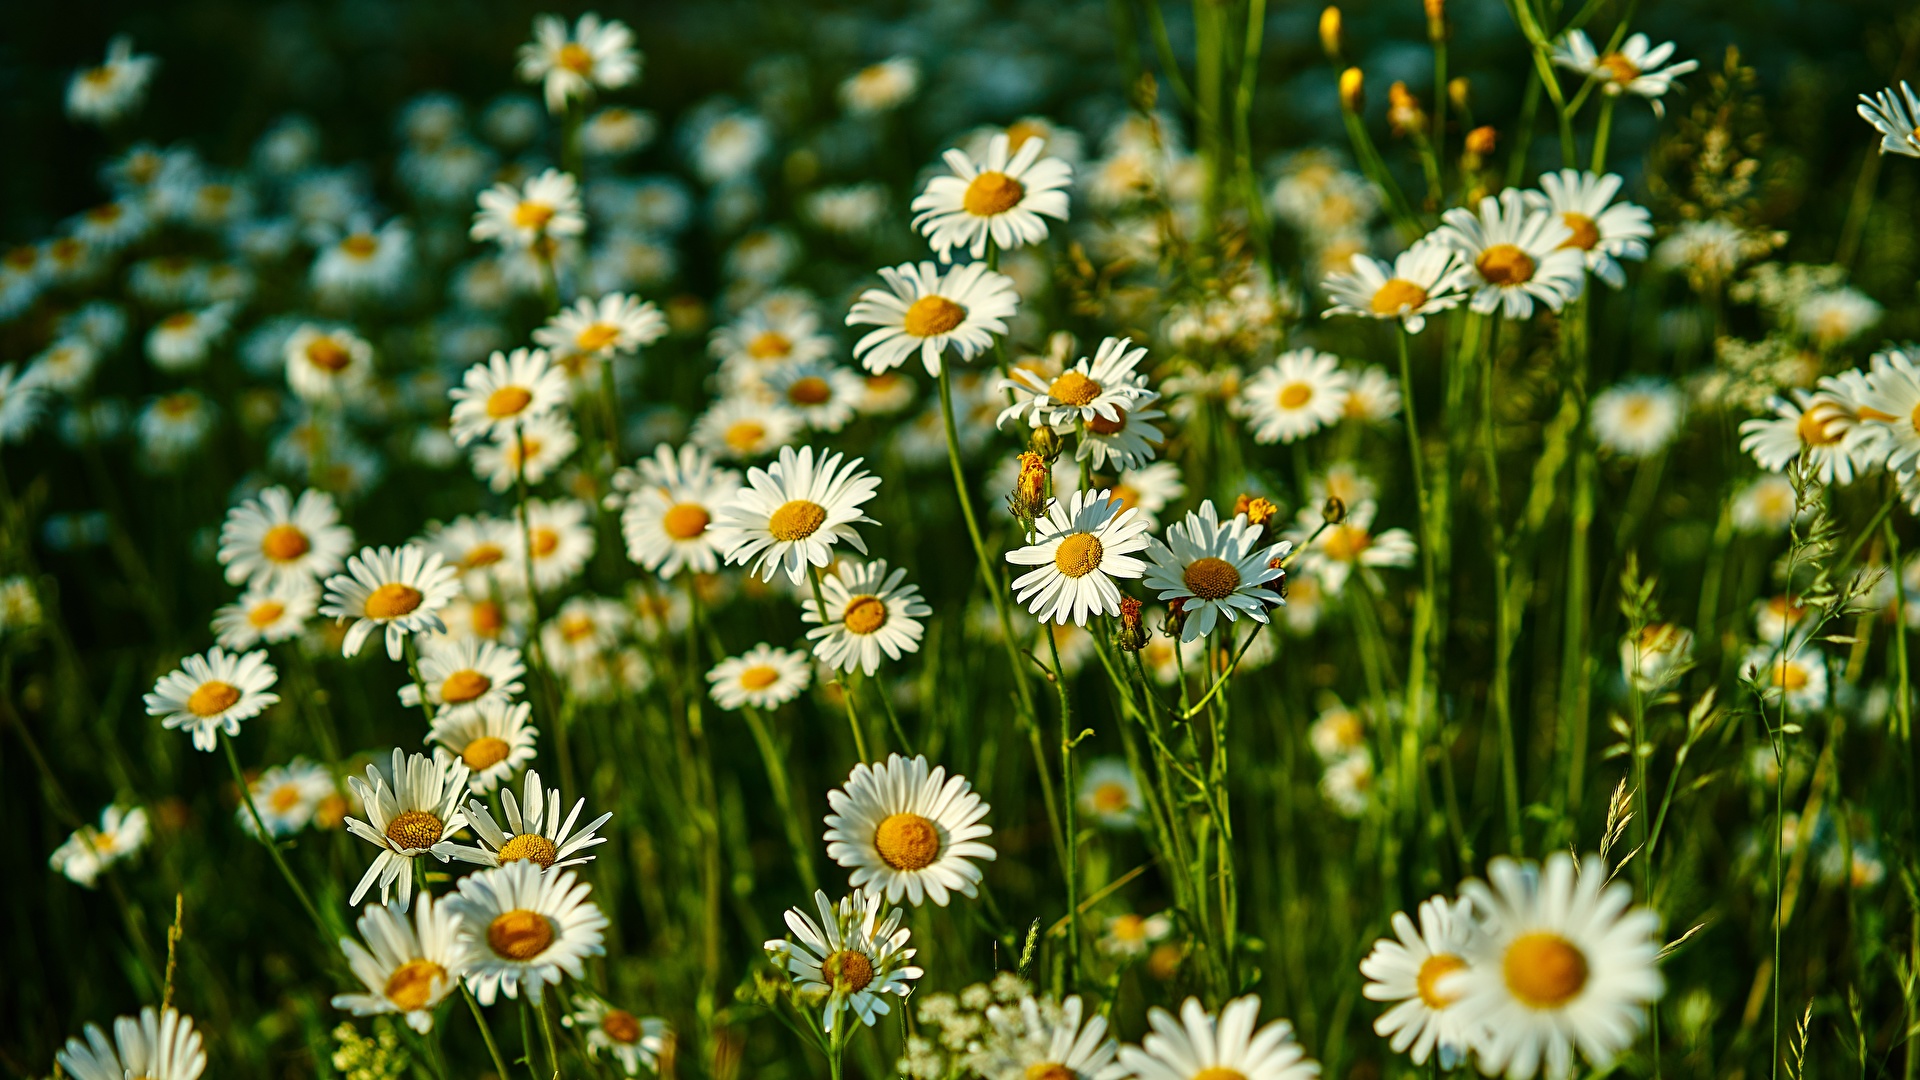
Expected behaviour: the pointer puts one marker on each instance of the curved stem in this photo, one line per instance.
(266, 838)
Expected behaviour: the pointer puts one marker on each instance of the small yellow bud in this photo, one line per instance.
(1334, 510)
(1457, 92)
(1330, 39)
(1045, 442)
(1437, 19)
(1352, 90)
(1481, 140)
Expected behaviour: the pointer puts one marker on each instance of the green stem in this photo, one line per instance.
(1070, 808)
(486, 1033)
(1500, 690)
(327, 933)
(846, 692)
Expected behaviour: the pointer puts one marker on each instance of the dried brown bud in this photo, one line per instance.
(1028, 499)
(1352, 90)
(1334, 510)
(1131, 634)
(1331, 39)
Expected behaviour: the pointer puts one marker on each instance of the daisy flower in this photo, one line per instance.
(212, 693)
(868, 612)
(1098, 388)
(1129, 935)
(1654, 656)
(1215, 569)
(287, 796)
(853, 956)
(742, 427)
(534, 832)
(765, 338)
(525, 929)
(1816, 425)
(671, 500)
(104, 94)
(1411, 969)
(493, 740)
(1110, 794)
(1638, 419)
(159, 1044)
(265, 613)
(881, 87)
(1150, 489)
(571, 66)
(276, 541)
(408, 968)
(562, 537)
(823, 395)
(182, 340)
(475, 546)
(997, 199)
(1513, 255)
(530, 452)
(1797, 676)
(792, 513)
(395, 590)
(1043, 1040)
(414, 812)
(1832, 317)
(1765, 505)
(763, 676)
(617, 323)
(363, 260)
(1604, 233)
(547, 208)
(494, 398)
(1896, 117)
(1423, 280)
(1302, 391)
(1129, 441)
(90, 850)
(905, 829)
(1334, 554)
(1635, 69)
(924, 311)
(1199, 1046)
(1079, 547)
(1891, 398)
(464, 675)
(328, 364)
(1562, 963)
(636, 1042)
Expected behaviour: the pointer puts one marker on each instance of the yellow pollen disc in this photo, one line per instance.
(179, 405)
(811, 390)
(1816, 428)
(532, 847)
(1111, 798)
(1398, 295)
(360, 245)
(410, 986)
(1586, 234)
(1078, 555)
(519, 934)
(1914, 419)
(1127, 496)
(684, 521)
(266, 613)
(1504, 264)
(1129, 927)
(1345, 543)
(106, 214)
(620, 1026)
(1427, 980)
(575, 58)
(796, 520)
(1073, 388)
(545, 540)
(1100, 425)
(532, 215)
(487, 618)
(992, 193)
(413, 830)
(596, 337)
(865, 614)
(1790, 676)
(179, 320)
(485, 752)
(1544, 970)
(846, 971)
(284, 798)
(576, 628)
(392, 600)
(760, 677)
(769, 345)
(1219, 1072)
(1049, 1070)
(328, 355)
(1211, 578)
(212, 698)
(483, 555)
(284, 543)
(907, 842)
(508, 401)
(1020, 131)
(99, 76)
(745, 435)
(931, 316)
(1619, 68)
(1294, 395)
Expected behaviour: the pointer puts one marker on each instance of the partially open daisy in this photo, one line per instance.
(855, 957)
(1562, 963)
(274, 539)
(1514, 255)
(999, 198)
(869, 612)
(1638, 418)
(1079, 547)
(1048, 1040)
(265, 613)
(562, 537)
(1197, 1046)
(924, 311)
(535, 832)
(1301, 392)
(494, 741)
(1816, 425)
(397, 591)
(1793, 676)
(1215, 569)
(408, 967)
(413, 811)
(546, 208)
(1421, 281)
(116, 88)
(618, 323)
(526, 929)
(1634, 69)
(822, 394)
(1332, 556)
(159, 1044)
(1110, 794)
(792, 513)
(1097, 388)
(907, 829)
(570, 66)
(1411, 969)
(763, 676)
(288, 796)
(636, 1042)
(212, 693)
(530, 452)
(743, 428)
(91, 849)
(494, 398)
(464, 675)
(1603, 230)
(1896, 117)
(328, 363)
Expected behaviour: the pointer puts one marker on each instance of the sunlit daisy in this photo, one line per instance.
(571, 66)
(1896, 117)
(275, 541)
(1150, 489)
(1045, 1040)
(287, 796)
(562, 537)
(1080, 545)
(1423, 280)
(465, 674)
(618, 323)
(1514, 255)
(1110, 794)
(765, 338)
(530, 452)
(907, 829)
(791, 513)
(1197, 1046)
(1129, 441)
(495, 397)
(116, 88)
(547, 207)
(394, 590)
(763, 676)
(868, 612)
(212, 693)
(1301, 392)
(493, 739)
(854, 957)
(1821, 428)
(476, 546)
(1651, 658)
(1100, 387)
(583, 631)
(159, 1044)
(1796, 676)
(1765, 505)
(412, 811)
(636, 1042)
(999, 198)
(1605, 233)
(1410, 969)
(743, 428)
(363, 260)
(823, 395)
(1334, 554)
(1639, 418)
(91, 849)
(924, 311)
(1634, 69)
(328, 364)
(669, 502)
(525, 929)
(266, 613)
(408, 967)
(1215, 569)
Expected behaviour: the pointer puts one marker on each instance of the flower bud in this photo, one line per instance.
(1403, 110)
(1436, 20)
(1028, 499)
(1334, 510)
(1330, 36)
(1176, 616)
(1045, 442)
(1352, 90)
(1480, 140)
(1131, 634)
(1458, 92)
(1278, 586)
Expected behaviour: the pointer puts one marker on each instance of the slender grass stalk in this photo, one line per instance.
(327, 931)
(846, 691)
(1070, 808)
(1500, 689)
(486, 1033)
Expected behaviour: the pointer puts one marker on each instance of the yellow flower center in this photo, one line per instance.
(1049, 1070)
(1073, 388)
(575, 58)
(907, 842)
(865, 614)
(328, 355)
(1618, 68)
(1544, 970)
(811, 390)
(1111, 797)
(266, 613)
(545, 542)
(414, 829)
(1078, 555)
(1219, 1072)
(487, 618)
(485, 752)
(1211, 578)
(1346, 543)
(180, 320)
(212, 698)
(1427, 980)
(1586, 233)
(410, 986)
(532, 847)
(745, 435)
(1504, 264)
(508, 401)
(1790, 676)
(846, 971)
(769, 345)
(483, 555)
(519, 934)
(106, 214)
(759, 677)
(620, 1026)
(532, 215)
(992, 193)
(284, 798)
(931, 316)
(392, 600)
(1817, 428)
(360, 245)
(1100, 425)
(684, 521)
(596, 337)
(796, 520)
(1398, 295)
(1295, 395)
(284, 543)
